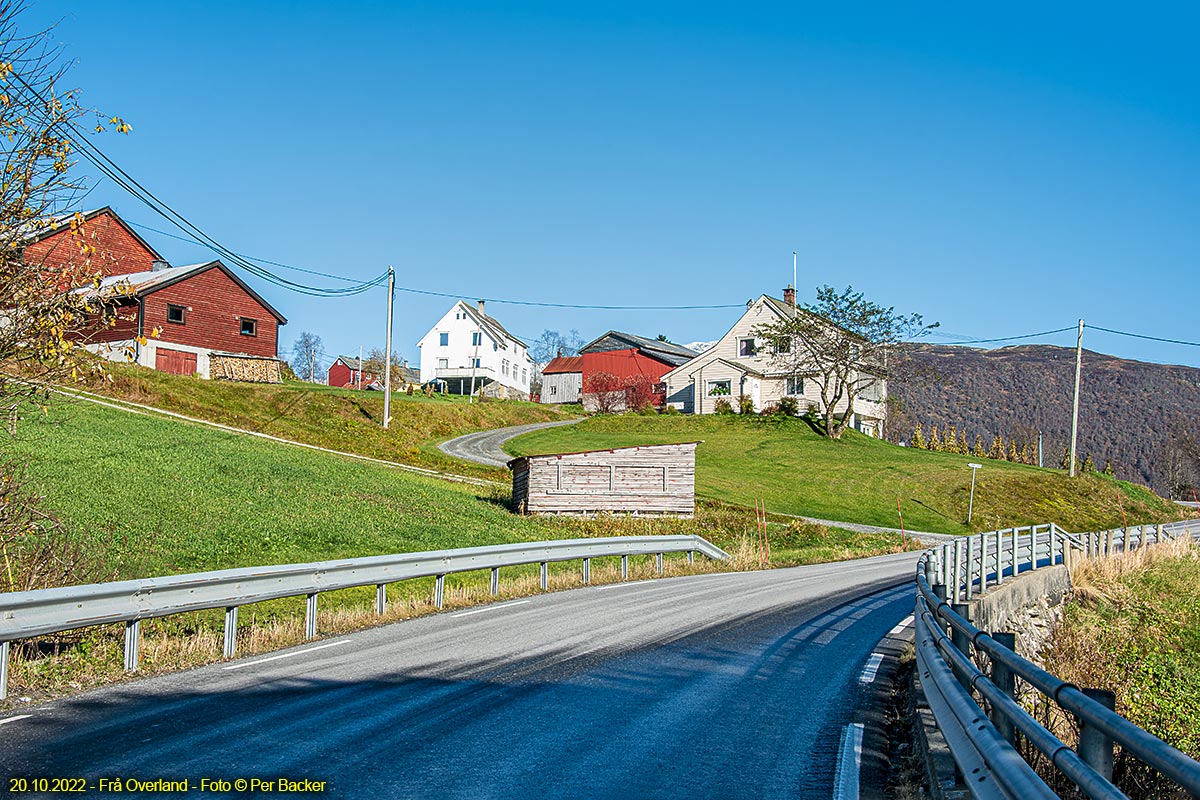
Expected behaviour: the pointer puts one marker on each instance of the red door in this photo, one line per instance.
(175, 362)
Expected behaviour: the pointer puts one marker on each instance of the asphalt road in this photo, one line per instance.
(487, 447)
(726, 685)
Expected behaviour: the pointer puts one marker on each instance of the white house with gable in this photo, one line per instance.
(467, 351)
(740, 365)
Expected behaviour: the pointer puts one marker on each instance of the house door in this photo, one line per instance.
(756, 394)
(175, 362)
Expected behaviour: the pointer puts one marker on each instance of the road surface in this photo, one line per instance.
(724, 685)
(487, 447)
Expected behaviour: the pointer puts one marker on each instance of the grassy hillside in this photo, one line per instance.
(859, 479)
(340, 419)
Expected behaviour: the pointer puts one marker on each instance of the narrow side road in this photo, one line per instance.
(725, 685)
(487, 447)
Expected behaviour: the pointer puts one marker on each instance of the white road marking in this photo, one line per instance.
(14, 719)
(904, 623)
(845, 785)
(490, 608)
(287, 655)
(871, 668)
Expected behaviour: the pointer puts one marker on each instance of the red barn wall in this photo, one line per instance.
(340, 375)
(215, 307)
(124, 329)
(624, 364)
(117, 251)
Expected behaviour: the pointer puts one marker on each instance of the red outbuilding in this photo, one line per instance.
(624, 363)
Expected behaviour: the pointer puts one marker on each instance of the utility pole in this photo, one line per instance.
(360, 366)
(1075, 407)
(478, 336)
(387, 352)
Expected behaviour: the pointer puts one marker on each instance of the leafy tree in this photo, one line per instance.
(963, 448)
(842, 343)
(603, 393)
(1088, 464)
(996, 453)
(935, 441)
(918, 438)
(1108, 468)
(374, 361)
(979, 452)
(307, 354)
(1013, 455)
(950, 442)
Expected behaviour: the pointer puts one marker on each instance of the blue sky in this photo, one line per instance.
(1000, 171)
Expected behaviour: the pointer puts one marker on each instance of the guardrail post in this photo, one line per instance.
(439, 590)
(1014, 564)
(310, 616)
(658, 560)
(944, 564)
(1108, 543)
(1053, 545)
(624, 568)
(380, 598)
(495, 581)
(1095, 747)
(545, 576)
(133, 635)
(939, 592)
(587, 570)
(960, 640)
(983, 557)
(230, 648)
(691, 557)
(952, 595)
(3, 670)
(970, 567)
(1006, 682)
(999, 558)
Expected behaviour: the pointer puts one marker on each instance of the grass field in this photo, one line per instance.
(1133, 627)
(144, 495)
(339, 419)
(859, 479)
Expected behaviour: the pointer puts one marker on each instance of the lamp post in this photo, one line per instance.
(971, 504)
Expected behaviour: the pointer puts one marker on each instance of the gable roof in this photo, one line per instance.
(60, 224)
(143, 283)
(491, 322)
(667, 352)
(563, 364)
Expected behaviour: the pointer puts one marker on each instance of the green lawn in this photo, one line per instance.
(859, 479)
(340, 419)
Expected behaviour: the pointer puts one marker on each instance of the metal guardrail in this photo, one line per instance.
(25, 615)
(959, 691)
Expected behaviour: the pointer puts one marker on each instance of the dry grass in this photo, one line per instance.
(1105, 580)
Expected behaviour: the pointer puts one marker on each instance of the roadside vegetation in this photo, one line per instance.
(796, 470)
(133, 495)
(349, 420)
(1133, 627)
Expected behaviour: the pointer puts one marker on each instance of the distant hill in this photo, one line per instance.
(1128, 410)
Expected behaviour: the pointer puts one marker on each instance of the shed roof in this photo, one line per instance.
(563, 364)
(519, 459)
(140, 284)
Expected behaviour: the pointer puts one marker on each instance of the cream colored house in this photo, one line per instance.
(739, 364)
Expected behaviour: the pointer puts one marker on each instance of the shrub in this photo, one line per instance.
(770, 410)
(745, 404)
(603, 393)
(639, 393)
(647, 411)
(671, 411)
(918, 438)
(723, 406)
(788, 406)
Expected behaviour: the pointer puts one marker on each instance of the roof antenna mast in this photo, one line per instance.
(793, 269)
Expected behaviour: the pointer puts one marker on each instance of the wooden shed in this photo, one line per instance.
(653, 479)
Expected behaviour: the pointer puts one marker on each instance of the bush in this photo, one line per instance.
(723, 406)
(745, 404)
(788, 406)
(770, 410)
(647, 411)
(671, 411)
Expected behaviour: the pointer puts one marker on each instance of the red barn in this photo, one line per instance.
(631, 360)
(200, 319)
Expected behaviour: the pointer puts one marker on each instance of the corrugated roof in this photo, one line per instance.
(667, 352)
(564, 364)
(601, 450)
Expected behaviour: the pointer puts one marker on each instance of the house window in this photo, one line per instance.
(746, 347)
(476, 339)
(443, 363)
(795, 386)
(443, 339)
(478, 363)
(782, 345)
(553, 390)
(718, 388)
(176, 314)
(249, 327)
(524, 376)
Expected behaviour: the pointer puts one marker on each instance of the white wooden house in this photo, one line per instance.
(739, 364)
(468, 351)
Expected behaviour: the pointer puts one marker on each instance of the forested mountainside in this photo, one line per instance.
(1130, 412)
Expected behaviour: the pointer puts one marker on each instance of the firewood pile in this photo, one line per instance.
(252, 369)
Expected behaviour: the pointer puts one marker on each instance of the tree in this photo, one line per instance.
(979, 452)
(935, 441)
(603, 393)
(45, 309)
(996, 453)
(307, 354)
(918, 438)
(375, 360)
(843, 344)
(552, 344)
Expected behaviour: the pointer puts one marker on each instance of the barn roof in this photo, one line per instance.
(564, 364)
(140, 284)
(62, 223)
(518, 459)
(667, 352)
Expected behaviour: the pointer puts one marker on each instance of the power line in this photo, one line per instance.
(1014, 338)
(1143, 336)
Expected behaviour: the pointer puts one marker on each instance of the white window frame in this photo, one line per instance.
(712, 385)
(742, 342)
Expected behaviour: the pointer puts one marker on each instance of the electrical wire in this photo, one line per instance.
(1013, 338)
(1142, 336)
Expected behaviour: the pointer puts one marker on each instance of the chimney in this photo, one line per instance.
(560, 352)
(481, 311)
(406, 363)
(789, 295)
(159, 265)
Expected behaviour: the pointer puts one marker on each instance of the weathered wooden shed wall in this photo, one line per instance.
(655, 479)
